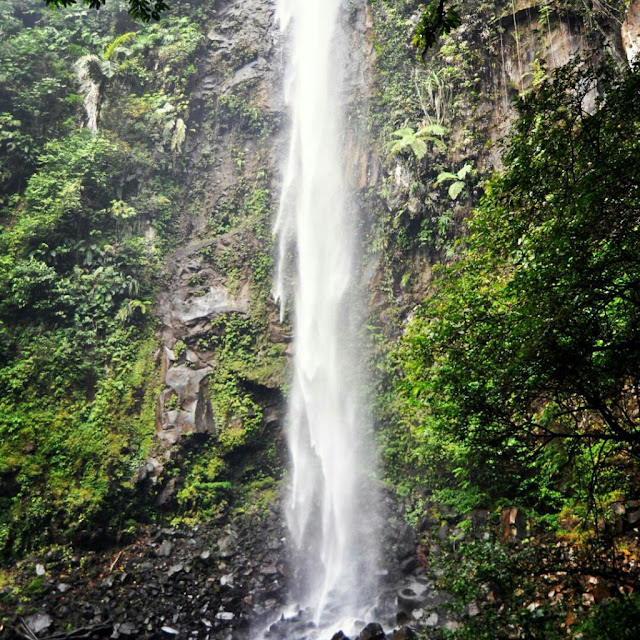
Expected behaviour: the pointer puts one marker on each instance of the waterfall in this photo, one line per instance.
(330, 517)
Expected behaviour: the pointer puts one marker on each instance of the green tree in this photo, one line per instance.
(528, 352)
(145, 10)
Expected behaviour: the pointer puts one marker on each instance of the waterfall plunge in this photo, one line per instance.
(331, 521)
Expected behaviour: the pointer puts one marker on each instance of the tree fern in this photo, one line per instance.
(408, 138)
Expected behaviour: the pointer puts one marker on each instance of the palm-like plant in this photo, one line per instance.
(417, 141)
(94, 70)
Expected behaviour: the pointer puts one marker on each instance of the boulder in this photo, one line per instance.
(373, 631)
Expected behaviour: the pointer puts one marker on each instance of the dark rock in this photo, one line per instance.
(373, 631)
(633, 517)
(339, 636)
(402, 618)
(427, 522)
(443, 532)
(409, 565)
(618, 508)
(406, 633)
(406, 543)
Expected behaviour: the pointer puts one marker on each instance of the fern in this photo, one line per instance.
(408, 138)
(117, 45)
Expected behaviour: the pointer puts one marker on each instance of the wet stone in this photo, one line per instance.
(432, 620)
(225, 616)
(38, 622)
(373, 631)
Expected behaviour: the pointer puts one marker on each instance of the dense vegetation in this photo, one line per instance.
(85, 212)
(514, 389)
(521, 369)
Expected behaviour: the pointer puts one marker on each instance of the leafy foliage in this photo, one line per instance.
(530, 340)
(84, 219)
(457, 180)
(521, 368)
(436, 21)
(143, 10)
(417, 141)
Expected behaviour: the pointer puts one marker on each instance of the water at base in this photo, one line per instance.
(331, 510)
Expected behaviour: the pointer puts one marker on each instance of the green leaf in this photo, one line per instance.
(455, 189)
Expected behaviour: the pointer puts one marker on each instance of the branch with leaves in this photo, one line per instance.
(436, 21)
(143, 10)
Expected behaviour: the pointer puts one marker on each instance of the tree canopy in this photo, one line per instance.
(530, 344)
(145, 10)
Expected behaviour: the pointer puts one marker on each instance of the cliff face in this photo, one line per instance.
(171, 367)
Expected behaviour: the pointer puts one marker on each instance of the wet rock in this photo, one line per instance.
(409, 599)
(431, 620)
(165, 549)
(38, 622)
(406, 545)
(225, 616)
(126, 629)
(373, 631)
(409, 565)
(193, 412)
(227, 545)
(406, 633)
(269, 570)
(169, 631)
(226, 580)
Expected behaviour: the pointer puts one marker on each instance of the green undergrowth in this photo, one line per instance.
(86, 218)
(515, 380)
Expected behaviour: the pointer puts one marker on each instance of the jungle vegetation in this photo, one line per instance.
(520, 371)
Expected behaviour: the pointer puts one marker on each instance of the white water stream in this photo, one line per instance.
(331, 521)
